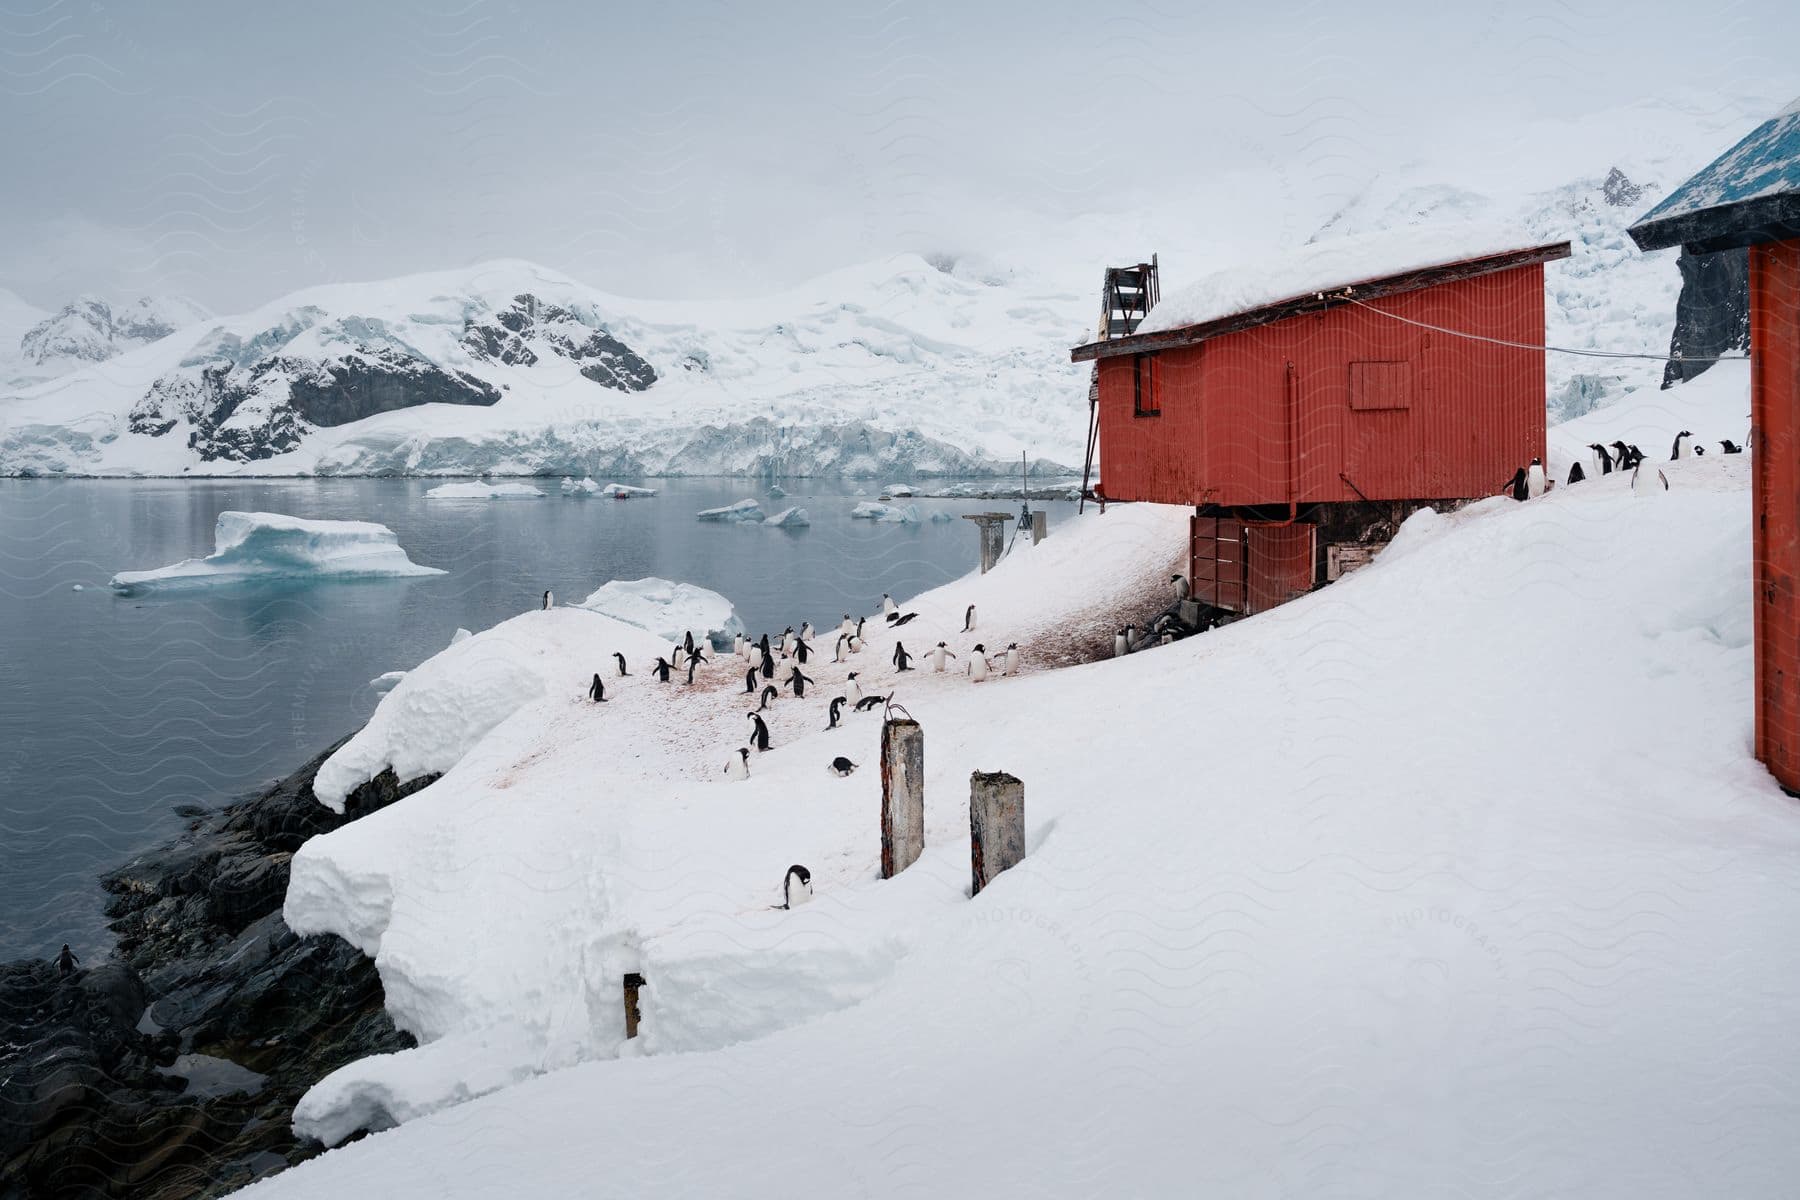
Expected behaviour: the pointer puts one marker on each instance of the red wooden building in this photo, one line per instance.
(1750, 197)
(1303, 429)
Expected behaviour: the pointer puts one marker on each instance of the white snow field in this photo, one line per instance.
(667, 609)
(1453, 878)
(258, 546)
(484, 491)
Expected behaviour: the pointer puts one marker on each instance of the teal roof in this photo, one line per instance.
(1749, 194)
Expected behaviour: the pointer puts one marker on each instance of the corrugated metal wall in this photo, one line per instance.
(1775, 498)
(1339, 405)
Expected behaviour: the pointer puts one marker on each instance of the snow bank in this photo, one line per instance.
(668, 609)
(253, 546)
(789, 518)
(874, 510)
(742, 510)
(484, 491)
(1321, 266)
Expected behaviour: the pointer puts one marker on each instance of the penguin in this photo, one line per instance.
(1535, 482)
(799, 681)
(869, 702)
(858, 635)
(65, 961)
(796, 888)
(697, 656)
(853, 689)
(760, 737)
(841, 766)
(768, 664)
(1637, 456)
(787, 639)
(1679, 451)
(901, 657)
(801, 649)
(737, 644)
(1122, 642)
(1181, 585)
(838, 653)
(1639, 480)
(687, 642)
(549, 599)
(1621, 456)
(1699, 450)
(1603, 463)
(888, 607)
(846, 626)
(764, 644)
(1729, 446)
(978, 663)
(1576, 474)
(837, 712)
(769, 693)
(1013, 658)
(806, 633)
(1517, 484)
(854, 645)
(596, 689)
(694, 660)
(661, 669)
(969, 620)
(939, 653)
(738, 766)
(620, 659)
(899, 621)
(750, 678)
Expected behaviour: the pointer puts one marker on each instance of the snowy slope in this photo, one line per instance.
(1455, 878)
(36, 346)
(509, 368)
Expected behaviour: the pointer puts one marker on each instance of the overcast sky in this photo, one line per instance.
(234, 151)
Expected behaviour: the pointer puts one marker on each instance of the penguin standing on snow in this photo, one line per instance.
(858, 635)
(1013, 658)
(1680, 450)
(1122, 642)
(901, 657)
(1517, 484)
(1181, 585)
(841, 766)
(801, 650)
(1576, 474)
(806, 633)
(1729, 446)
(768, 693)
(796, 888)
(768, 664)
(939, 653)
(661, 669)
(549, 600)
(750, 678)
(620, 659)
(799, 681)
(1621, 456)
(901, 620)
(1603, 463)
(837, 712)
(888, 607)
(853, 689)
(687, 642)
(596, 689)
(1535, 481)
(838, 654)
(738, 765)
(846, 627)
(737, 644)
(694, 660)
(760, 737)
(1641, 481)
(969, 620)
(978, 663)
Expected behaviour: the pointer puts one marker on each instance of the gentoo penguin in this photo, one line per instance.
(1181, 585)
(694, 660)
(838, 653)
(1576, 474)
(901, 620)
(901, 657)
(846, 627)
(1729, 446)
(596, 689)
(854, 645)
(888, 607)
(1637, 455)
(858, 635)
(1012, 658)
(620, 659)
(1640, 481)
(1534, 479)
(66, 960)
(796, 889)
(549, 600)
(738, 765)
(1517, 484)
(1680, 450)
(768, 664)
(687, 642)
(750, 678)
(1621, 456)
(852, 688)
(1602, 461)
(841, 766)
(1699, 450)
(760, 737)
(661, 669)
(697, 655)
(837, 711)
(969, 620)
(737, 644)
(1122, 642)
(799, 681)
(801, 649)
(939, 653)
(978, 663)
(768, 693)
(787, 639)
(869, 702)
(806, 632)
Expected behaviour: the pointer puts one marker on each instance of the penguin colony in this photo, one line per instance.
(1529, 482)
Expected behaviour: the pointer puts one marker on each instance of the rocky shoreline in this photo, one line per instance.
(172, 1069)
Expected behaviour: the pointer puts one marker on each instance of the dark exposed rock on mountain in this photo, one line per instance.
(1712, 315)
(508, 338)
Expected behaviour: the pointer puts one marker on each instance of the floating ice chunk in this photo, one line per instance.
(776, 491)
(789, 518)
(250, 546)
(874, 510)
(743, 510)
(939, 515)
(484, 491)
(582, 488)
(385, 682)
(579, 487)
(625, 491)
(668, 609)
(898, 489)
(461, 634)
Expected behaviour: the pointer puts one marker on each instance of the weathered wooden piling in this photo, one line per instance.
(633, 982)
(902, 795)
(996, 825)
(1040, 525)
(992, 529)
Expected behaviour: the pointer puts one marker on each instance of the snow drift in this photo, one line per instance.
(254, 546)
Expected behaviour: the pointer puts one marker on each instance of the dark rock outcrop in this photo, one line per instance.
(1712, 315)
(99, 1072)
(510, 335)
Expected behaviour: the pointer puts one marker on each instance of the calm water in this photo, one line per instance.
(115, 709)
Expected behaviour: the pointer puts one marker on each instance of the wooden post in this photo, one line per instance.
(992, 529)
(996, 825)
(633, 982)
(1040, 525)
(902, 795)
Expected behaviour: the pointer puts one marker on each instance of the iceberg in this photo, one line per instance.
(581, 488)
(625, 491)
(873, 510)
(898, 489)
(941, 515)
(484, 491)
(385, 681)
(776, 491)
(667, 609)
(789, 518)
(255, 546)
(743, 510)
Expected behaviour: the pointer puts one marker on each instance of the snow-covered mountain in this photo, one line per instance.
(510, 368)
(36, 346)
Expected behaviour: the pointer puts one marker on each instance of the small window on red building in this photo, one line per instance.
(1379, 385)
(1143, 386)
